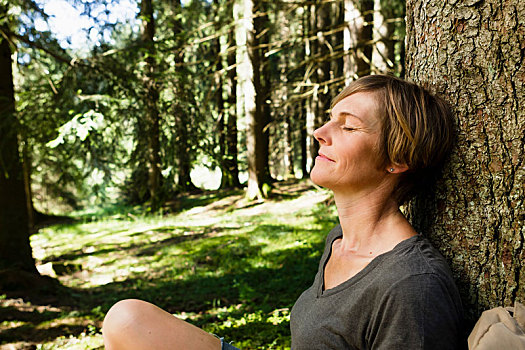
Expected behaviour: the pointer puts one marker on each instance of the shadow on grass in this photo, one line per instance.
(186, 202)
(30, 333)
(10, 313)
(144, 248)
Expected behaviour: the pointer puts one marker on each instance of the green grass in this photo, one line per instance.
(232, 267)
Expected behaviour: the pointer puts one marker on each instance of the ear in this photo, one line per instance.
(396, 168)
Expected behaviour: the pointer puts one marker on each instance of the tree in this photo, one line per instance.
(250, 95)
(258, 47)
(151, 99)
(471, 53)
(230, 176)
(183, 120)
(386, 22)
(318, 50)
(15, 251)
(322, 51)
(225, 98)
(359, 16)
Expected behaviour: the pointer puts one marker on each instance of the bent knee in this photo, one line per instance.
(123, 317)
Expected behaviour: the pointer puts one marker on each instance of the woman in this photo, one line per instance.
(380, 285)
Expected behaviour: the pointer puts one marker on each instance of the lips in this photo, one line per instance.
(323, 157)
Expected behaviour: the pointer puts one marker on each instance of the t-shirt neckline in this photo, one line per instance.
(358, 276)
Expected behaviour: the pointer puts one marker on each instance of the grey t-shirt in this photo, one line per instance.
(403, 299)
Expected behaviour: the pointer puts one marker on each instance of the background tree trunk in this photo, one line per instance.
(472, 53)
(182, 119)
(230, 161)
(323, 51)
(262, 82)
(359, 17)
(15, 251)
(26, 169)
(152, 96)
(249, 81)
(337, 40)
(383, 54)
(310, 83)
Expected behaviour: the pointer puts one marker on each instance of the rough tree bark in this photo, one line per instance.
(473, 53)
(15, 250)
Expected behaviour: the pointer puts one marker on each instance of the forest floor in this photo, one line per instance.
(225, 264)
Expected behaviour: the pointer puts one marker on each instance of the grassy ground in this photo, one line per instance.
(227, 265)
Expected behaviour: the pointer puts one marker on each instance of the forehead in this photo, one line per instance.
(360, 106)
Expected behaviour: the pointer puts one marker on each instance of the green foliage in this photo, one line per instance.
(82, 113)
(78, 127)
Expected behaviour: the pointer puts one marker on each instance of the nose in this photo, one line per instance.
(322, 136)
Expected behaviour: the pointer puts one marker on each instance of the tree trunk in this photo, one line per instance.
(251, 103)
(182, 120)
(321, 21)
(288, 144)
(262, 82)
(15, 250)
(227, 123)
(357, 37)
(219, 98)
(306, 138)
(152, 97)
(337, 40)
(230, 162)
(323, 50)
(472, 53)
(219, 101)
(26, 168)
(401, 69)
(311, 100)
(303, 139)
(383, 54)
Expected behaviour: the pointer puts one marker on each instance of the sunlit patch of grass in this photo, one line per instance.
(230, 266)
(91, 340)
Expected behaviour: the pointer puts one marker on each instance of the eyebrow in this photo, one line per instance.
(346, 114)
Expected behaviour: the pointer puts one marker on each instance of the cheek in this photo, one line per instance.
(380, 155)
(364, 158)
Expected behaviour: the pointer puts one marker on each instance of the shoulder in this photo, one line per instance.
(418, 295)
(416, 259)
(417, 271)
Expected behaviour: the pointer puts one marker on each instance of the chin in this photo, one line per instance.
(319, 178)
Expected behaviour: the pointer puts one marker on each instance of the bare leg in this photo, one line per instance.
(137, 325)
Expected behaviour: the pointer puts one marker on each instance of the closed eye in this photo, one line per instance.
(348, 128)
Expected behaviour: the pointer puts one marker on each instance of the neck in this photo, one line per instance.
(372, 223)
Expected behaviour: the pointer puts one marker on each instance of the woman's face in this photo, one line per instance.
(349, 158)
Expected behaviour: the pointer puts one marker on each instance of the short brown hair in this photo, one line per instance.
(417, 128)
